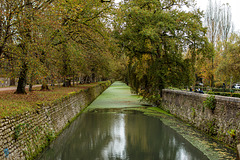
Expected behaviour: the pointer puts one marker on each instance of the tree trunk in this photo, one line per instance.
(30, 87)
(67, 83)
(12, 82)
(31, 83)
(93, 77)
(212, 76)
(22, 80)
(73, 80)
(44, 87)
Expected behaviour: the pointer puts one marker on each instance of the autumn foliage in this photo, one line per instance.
(49, 41)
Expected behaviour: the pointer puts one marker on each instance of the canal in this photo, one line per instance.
(111, 130)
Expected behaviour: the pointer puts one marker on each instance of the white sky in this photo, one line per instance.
(235, 5)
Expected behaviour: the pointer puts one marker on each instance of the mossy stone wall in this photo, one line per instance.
(25, 135)
(223, 122)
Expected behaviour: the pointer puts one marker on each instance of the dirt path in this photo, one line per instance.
(15, 88)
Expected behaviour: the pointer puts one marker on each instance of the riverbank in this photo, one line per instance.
(24, 135)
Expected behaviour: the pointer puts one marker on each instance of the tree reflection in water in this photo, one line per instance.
(120, 136)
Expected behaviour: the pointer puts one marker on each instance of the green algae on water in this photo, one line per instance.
(118, 95)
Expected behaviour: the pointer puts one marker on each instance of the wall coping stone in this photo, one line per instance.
(223, 98)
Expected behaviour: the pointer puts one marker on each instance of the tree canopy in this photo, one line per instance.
(156, 36)
(49, 40)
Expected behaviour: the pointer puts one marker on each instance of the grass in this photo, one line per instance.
(13, 104)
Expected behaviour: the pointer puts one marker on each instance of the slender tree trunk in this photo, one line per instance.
(22, 80)
(12, 81)
(93, 77)
(30, 87)
(73, 79)
(31, 83)
(212, 77)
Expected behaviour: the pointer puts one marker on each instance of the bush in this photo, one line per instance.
(218, 84)
(225, 94)
(220, 90)
(210, 92)
(224, 90)
(220, 93)
(210, 103)
(236, 95)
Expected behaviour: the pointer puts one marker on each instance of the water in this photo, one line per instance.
(119, 136)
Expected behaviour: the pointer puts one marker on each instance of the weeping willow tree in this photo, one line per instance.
(155, 35)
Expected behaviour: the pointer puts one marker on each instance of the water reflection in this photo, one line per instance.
(120, 136)
(116, 147)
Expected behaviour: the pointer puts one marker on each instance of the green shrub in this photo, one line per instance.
(220, 90)
(225, 94)
(210, 102)
(224, 90)
(232, 133)
(210, 92)
(193, 113)
(236, 95)
(218, 84)
(17, 131)
(50, 135)
(222, 93)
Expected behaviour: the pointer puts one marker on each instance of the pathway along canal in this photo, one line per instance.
(106, 131)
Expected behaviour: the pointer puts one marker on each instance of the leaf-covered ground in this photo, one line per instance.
(12, 104)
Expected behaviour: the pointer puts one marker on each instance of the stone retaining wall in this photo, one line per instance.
(223, 122)
(25, 135)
